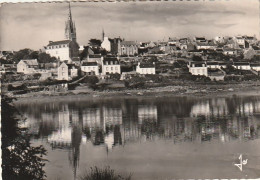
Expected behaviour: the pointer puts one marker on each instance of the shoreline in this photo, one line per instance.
(197, 91)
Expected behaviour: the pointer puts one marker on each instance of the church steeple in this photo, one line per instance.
(103, 34)
(70, 28)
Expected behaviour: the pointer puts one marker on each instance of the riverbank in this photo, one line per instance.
(196, 90)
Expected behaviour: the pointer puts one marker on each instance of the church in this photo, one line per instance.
(68, 49)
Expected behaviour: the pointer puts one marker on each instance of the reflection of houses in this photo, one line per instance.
(147, 113)
(112, 116)
(201, 108)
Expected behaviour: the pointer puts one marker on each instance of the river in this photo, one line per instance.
(150, 137)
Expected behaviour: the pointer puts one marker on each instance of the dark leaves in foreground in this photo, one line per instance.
(20, 160)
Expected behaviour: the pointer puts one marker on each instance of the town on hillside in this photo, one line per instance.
(118, 63)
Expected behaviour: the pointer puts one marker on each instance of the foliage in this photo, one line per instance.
(94, 42)
(103, 174)
(20, 160)
(45, 58)
(196, 58)
(90, 80)
(23, 54)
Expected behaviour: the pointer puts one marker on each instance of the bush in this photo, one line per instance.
(90, 80)
(103, 174)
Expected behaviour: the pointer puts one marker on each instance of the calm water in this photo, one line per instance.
(153, 138)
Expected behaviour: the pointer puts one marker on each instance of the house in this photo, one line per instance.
(200, 39)
(212, 65)
(115, 45)
(255, 66)
(256, 50)
(129, 48)
(27, 66)
(67, 71)
(90, 68)
(106, 44)
(241, 65)
(110, 65)
(145, 68)
(240, 40)
(63, 50)
(198, 68)
(95, 58)
(229, 51)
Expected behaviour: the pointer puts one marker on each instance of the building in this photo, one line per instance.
(198, 68)
(255, 66)
(67, 49)
(128, 48)
(67, 71)
(90, 68)
(229, 51)
(27, 66)
(145, 68)
(212, 65)
(106, 44)
(241, 65)
(110, 65)
(115, 45)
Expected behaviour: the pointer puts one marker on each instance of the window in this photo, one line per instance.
(63, 74)
(107, 69)
(116, 68)
(107, 63)
(111, 68)
(63, 68)
(59, 46)
(88, 68)
(111, 62)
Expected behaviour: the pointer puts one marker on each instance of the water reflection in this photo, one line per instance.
(115, 122)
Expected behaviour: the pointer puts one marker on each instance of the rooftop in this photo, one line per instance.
(30, 62)
(146, 65)
(89, 64)
(53, 43)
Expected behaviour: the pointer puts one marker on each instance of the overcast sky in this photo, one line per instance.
(32, 25)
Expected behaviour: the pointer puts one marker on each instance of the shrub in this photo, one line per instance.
(106, 173)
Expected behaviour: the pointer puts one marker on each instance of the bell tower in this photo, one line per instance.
(70, 28)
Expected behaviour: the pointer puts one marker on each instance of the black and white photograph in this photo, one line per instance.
(130, 90)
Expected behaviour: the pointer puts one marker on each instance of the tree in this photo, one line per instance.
(196, 58)
(19, 159)
(22, 54)
(94, 42)
(46, 58)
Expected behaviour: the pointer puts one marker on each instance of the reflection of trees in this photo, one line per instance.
(117, 135)
(99, 137)
(76, 136)
(19, 159)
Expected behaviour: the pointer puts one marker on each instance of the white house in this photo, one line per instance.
(255, 66)
(213, 65)
(67, 71)
(27, 66)
(198, 68)
(106, 44)
(241, 65)
(145, 68)
(110, 65)
(63, 50)
(229, 51)
(90, 68)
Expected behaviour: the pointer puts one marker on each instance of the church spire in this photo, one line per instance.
(70, 29)
(103, 34)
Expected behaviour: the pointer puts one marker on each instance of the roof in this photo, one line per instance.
(197, 64)
(110, 59)
(255, 65)
(255, 47)
(53, 43)
(146, 65)
(241, 63)
(212, 63)
(95, 56)
(89, 64)
(30, 62)
(128, 43)
(70, 66)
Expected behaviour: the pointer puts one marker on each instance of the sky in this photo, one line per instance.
(33, 25)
